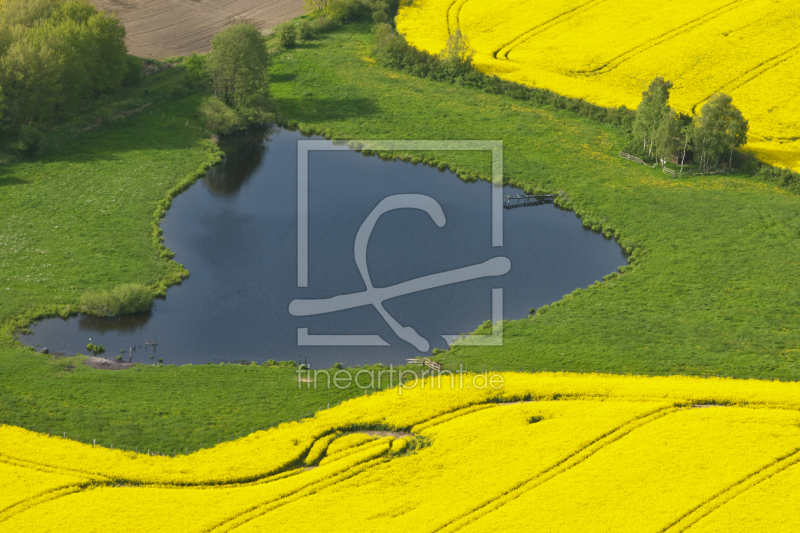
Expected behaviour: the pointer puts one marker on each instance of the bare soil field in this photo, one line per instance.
(164, 28)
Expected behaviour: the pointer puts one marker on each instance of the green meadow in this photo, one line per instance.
(712, 288)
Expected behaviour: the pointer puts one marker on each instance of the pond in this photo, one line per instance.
(236, 231)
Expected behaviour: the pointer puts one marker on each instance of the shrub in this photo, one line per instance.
(454, 66)
(338, 366)
(29, 143)
(346, 11)
(323, 25)
(134, 71)
(218, 117)
(286, 34)
(305, 30)
(196, 69)
(123, 300)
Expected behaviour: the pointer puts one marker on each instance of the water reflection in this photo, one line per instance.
(243, 157)
(125, 324)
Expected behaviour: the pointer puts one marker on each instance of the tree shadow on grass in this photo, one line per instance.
(10, 180)
(282, 78)
(310, 109)
(146, 132)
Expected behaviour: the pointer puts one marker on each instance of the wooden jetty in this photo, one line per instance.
(521, 200)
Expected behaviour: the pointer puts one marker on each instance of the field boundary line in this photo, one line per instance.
(553, 21)
(719, 499)
(38, 499)
(616, 61)
(574, 459)
(265, 507)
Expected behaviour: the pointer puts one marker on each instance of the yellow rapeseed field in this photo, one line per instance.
(543, 452)
(608, 51)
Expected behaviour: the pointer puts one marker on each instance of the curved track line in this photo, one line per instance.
(544, 26)
(572, 460)
(454, 21)
(616, 61)
(458, 413)
(265, 507)
(53, 494)
(762, 68)
(699, 512)
(24, 463)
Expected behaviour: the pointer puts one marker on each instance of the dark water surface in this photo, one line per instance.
(236, 232)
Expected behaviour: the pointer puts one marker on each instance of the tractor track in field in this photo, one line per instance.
(574, 459)
(752, 74)
(694, 515)
(691, 25)
(544, 26)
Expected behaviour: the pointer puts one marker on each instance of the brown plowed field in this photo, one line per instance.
(163, 28)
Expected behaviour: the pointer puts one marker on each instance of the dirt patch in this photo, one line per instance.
(164, 28)
(396, 434)
(102, 363)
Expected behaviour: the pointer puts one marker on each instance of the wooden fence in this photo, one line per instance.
(433, 365)
(629, 157)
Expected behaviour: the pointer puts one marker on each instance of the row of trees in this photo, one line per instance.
(713, 135)
(54, 54)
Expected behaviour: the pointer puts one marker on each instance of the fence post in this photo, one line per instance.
(94, 441)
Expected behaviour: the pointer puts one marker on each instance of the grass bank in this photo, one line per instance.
(84, 216)
(713, 286)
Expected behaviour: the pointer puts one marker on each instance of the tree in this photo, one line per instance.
(238, 65)
(2, 104)
(317, 6)
(652, 111)
(26, 12)
(54, 53)
(722, 128)
(666, 139)
(456, 57)
(196, 68)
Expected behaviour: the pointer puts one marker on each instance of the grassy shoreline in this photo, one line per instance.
(712, 288)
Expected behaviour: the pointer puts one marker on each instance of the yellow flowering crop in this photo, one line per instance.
(608, 51)
(549, 451)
